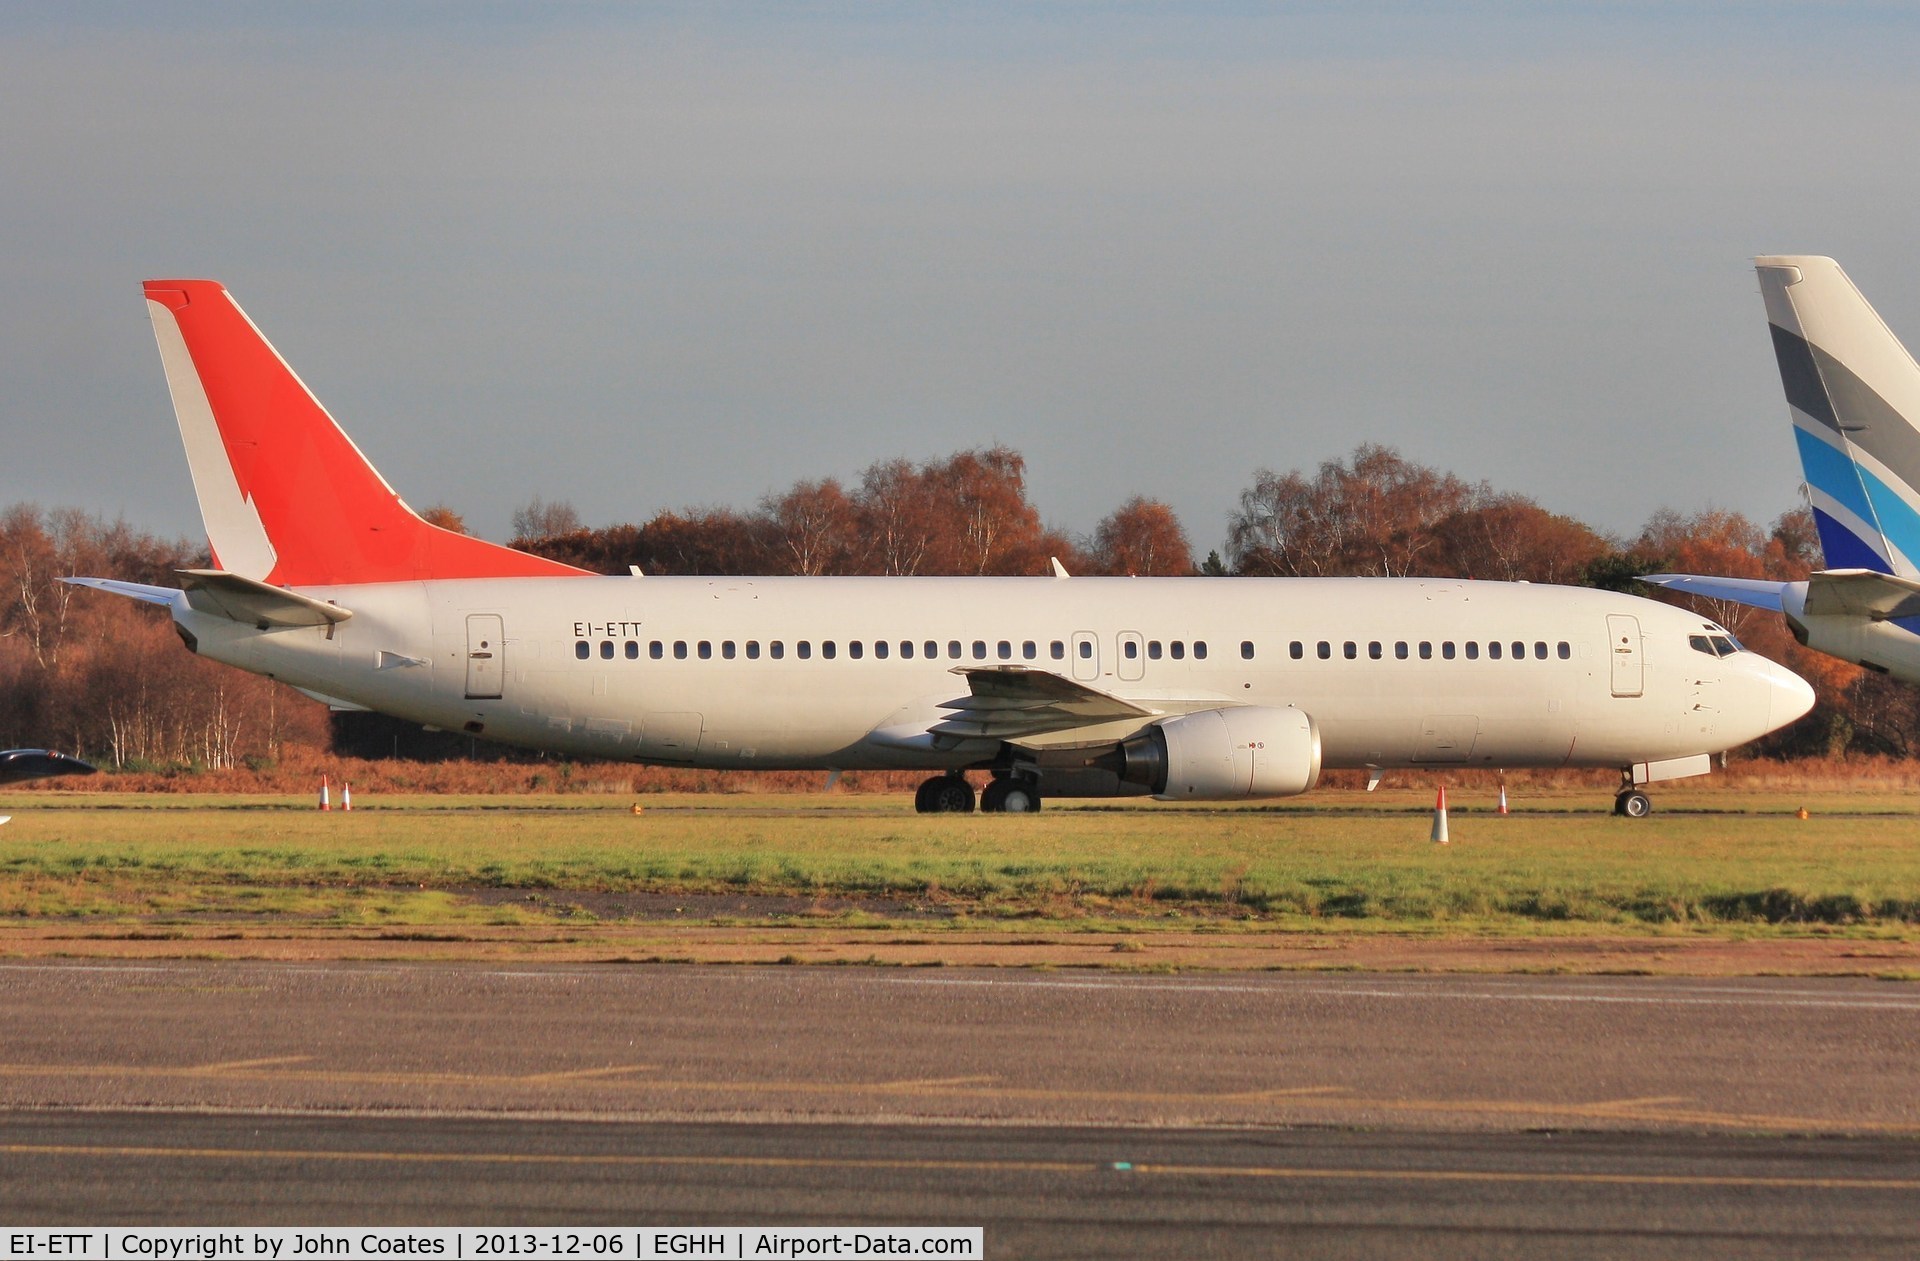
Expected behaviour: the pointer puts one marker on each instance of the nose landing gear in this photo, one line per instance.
(1631, 803)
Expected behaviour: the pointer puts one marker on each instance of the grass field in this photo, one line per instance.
(1708, 862)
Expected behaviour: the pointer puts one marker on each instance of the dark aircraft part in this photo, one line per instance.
(19, 765)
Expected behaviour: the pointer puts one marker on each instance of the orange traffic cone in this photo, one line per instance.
(326, 795)
(1503, 796)
(1439, 835)
(346, 796)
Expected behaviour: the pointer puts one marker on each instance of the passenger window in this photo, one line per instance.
(1473, 650)
(1325, 650)
(726, 649)
(1493, 651)
(979, 650)
(582, 649)
(880, 649)
(679, 650)
(827, 649)
(906, 650)
(1130, 650)
(633, 650)
(1446, 649)
(1086, 650)
(606, 650)
(1153, 650)
(1296, 650)
(753, 650)
(953, 649)
(930, 650)
(706, 650)
(1006, 650)
(1519, 651)
(1199, 650)
(776, 650)
(1057, 650)
(803, 649)
(1373, 650)
(1540, 650)
(1400, 650)
(1426, 650)
(1029, 650)
(1349, 650)
(656, 650)
(1177, 650)
(1566, 650)
(1246, 650)
(855, 648)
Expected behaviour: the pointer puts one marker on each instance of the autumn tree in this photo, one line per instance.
(541, 519)
(1510, 538)
(1373, 514)
(1142, 538)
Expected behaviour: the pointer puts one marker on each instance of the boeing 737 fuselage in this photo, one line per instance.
(1185, 688)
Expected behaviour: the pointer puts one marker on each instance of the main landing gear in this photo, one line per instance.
(951, 794)
(944, 794)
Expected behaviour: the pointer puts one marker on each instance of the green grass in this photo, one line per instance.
(1725, 863)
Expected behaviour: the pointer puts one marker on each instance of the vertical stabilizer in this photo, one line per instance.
(286, 496)
(1854, 394)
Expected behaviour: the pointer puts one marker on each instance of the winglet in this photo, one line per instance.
(286, 496)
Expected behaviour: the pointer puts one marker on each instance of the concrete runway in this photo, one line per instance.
(1459, 1116)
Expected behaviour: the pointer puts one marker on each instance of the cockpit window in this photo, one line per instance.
(1713, 645)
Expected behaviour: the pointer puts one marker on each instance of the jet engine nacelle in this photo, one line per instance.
(1225, 755)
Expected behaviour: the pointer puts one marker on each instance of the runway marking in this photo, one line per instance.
(227, 1066)
(1282, 1099)
(1277, 1172)
(586, 1074)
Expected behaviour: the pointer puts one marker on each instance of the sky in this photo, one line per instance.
(644, 257)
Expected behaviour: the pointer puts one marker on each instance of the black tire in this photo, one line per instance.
(923, 795)
(950, 794)
(1633, 805)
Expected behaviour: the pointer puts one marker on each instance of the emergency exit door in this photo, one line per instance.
(486, 656)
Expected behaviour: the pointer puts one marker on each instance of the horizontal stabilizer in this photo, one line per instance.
(1864, 593)
(1014, 702)
(168, 596)
(255, 603)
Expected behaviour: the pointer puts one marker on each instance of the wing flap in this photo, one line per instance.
(1014, 702)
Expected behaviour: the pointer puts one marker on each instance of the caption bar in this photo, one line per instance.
(463, 1243)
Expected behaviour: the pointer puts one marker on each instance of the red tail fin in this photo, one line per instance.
(286, 496)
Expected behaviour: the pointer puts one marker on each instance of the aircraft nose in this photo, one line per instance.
(1791, 696)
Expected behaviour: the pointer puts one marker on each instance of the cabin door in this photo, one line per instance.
(486, 656)
(1623, 648)
(1086, 656)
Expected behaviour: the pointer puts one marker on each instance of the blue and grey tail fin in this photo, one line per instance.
(1854, 395)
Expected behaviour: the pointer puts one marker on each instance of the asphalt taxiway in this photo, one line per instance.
(1074, 1114)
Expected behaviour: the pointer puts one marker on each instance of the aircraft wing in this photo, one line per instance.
(1757, 592)
(1015, 702)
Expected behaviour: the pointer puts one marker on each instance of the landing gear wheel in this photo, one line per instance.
(1633, 804)
(1010, 796)
(944, 794)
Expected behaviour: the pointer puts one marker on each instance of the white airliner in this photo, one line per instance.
(1853, 393)
(1190, 689)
